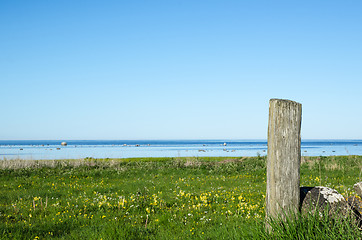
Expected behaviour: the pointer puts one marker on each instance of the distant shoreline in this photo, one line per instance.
(79, 149)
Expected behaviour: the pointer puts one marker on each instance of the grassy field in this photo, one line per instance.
(155, 198)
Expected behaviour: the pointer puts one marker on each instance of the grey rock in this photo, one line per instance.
(322, 199)
(358, 188)
(355, 204)
(303, 194)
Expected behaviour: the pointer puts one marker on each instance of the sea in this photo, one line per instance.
(78, 149)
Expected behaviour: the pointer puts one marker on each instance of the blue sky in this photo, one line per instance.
(177, 69)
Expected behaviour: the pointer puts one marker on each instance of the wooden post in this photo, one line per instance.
(283, 160)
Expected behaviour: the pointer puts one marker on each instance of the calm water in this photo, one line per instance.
(50, 149)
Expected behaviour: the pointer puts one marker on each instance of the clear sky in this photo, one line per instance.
(178, 69)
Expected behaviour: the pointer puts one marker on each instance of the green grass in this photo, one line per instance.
(153, 198)
(313, 226)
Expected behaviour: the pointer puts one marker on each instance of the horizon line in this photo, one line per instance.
(176, 139)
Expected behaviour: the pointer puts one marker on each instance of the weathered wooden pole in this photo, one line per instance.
(283, 160)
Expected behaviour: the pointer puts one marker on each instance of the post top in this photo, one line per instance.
(286, 101)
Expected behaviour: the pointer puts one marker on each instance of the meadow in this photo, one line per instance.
(156, 198)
